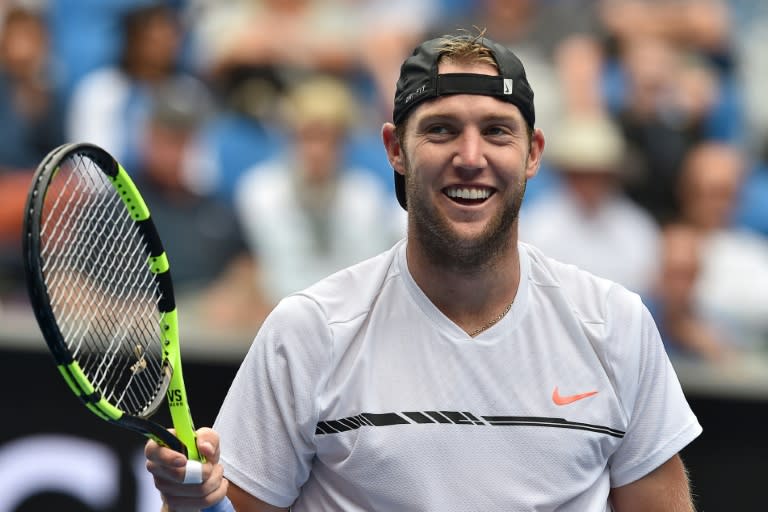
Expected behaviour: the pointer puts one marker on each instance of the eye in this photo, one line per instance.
(437, 129)
(439, 132)
(497, 130)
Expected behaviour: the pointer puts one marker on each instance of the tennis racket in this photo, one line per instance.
(99, 282)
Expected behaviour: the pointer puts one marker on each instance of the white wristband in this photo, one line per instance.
(194, 472)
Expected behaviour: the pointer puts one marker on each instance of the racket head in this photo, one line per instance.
(99, 282)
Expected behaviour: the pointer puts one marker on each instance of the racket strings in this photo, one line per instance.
(102, 292)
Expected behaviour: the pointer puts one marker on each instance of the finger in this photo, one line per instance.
(162, 455)
(200, 478)
(208, 444)
(214, 484)
(193, 472)
(170, 473)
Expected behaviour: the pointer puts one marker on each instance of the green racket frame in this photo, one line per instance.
(172, 387)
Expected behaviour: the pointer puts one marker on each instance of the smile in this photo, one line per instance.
(468, 193)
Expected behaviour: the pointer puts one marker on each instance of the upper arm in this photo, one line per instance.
(244, 502)
(665, 489)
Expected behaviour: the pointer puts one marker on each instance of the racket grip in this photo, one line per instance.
(223, 506)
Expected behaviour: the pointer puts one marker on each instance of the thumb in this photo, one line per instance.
(208, 444)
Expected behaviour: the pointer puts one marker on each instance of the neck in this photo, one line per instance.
(471, 299)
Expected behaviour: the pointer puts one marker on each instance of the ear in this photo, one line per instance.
(393, 147)
(535, 153)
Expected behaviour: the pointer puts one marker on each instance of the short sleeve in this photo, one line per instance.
(660, 420)
(268, 418)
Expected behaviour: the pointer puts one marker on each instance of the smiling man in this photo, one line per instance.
(461, 370)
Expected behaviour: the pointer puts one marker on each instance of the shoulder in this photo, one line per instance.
(591, 298)
(353, 291)
(608, 318)
(343, 296)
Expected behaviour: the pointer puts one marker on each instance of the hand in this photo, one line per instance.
(168, 468)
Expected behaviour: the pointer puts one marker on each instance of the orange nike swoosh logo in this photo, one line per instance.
(569, 399)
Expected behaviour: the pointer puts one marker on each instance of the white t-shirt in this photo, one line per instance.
(358, 394)
(732, 290)
(619, 241)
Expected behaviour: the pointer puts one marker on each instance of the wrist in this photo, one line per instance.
(222, 506)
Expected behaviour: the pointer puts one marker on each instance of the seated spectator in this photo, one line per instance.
(31, 114)
(31, 120)
(733, 287)
(362, 41)
(667, 97)
(200, 234)
(588, 221)
(683, 329)
(241, 134)
(305, 213)
(109, 105)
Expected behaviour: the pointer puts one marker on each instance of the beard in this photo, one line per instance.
(447, 249)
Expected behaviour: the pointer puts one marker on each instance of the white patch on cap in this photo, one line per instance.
(418, 92)
(508, 85)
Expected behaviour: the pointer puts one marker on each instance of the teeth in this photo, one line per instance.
(468, 193)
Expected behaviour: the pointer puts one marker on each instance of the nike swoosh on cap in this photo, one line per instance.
(569, 399)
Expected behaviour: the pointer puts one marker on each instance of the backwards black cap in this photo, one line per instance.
(419, 81)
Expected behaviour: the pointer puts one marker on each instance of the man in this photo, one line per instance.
(588, 220)
(461, 370)
(307, 212)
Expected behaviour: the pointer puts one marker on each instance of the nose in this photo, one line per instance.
(470, 153)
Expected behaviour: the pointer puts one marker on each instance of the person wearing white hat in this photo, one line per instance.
(588, 221)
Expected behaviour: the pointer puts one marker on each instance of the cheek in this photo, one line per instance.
(417, 168)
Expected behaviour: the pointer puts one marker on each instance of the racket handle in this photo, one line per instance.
(223, 506)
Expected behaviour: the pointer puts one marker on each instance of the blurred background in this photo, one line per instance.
(252, 127)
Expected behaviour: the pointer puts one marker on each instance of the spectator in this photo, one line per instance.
(671, 83)
(337, 37)
(663, 114)
(305, 214)
(243, 52)
(588, 221)
(85, 36)
(683, 329)
(30, 110)
(200, 233)
(109, 106)
(733, 287)
(30, 125)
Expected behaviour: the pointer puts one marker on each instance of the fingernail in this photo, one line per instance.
(179, 462)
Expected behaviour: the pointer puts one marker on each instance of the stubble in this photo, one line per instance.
(447, 249)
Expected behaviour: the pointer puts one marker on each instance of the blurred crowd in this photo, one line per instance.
(252, 128)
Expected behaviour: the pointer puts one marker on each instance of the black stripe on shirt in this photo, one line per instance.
(367, 419)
